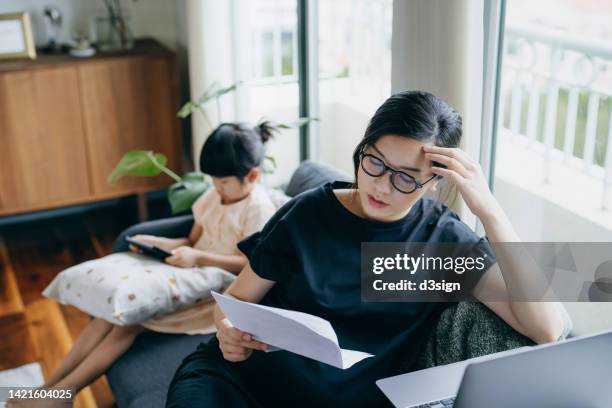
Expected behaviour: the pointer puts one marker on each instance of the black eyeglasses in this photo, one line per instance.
(402, 182)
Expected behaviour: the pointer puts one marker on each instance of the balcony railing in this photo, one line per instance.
(557, 100)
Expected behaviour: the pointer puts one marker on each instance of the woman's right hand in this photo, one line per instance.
(235, 344)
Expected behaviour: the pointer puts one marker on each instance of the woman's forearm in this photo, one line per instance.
(497, 226)
(542, 320)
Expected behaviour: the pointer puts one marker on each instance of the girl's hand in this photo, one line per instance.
(161, 242)
(183, 257)
(235, 344)
(145, 239)
(467, 175)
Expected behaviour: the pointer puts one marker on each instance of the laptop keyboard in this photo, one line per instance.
(445, 403)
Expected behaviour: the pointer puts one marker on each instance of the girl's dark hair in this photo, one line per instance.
(416, 115)
(233, 149)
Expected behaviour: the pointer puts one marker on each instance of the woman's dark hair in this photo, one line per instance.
(416, 115)
(233, 149)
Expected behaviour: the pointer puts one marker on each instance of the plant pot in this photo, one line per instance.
(114, 34)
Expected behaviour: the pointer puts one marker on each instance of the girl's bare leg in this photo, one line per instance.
(116, 342)
(96, 360)
(89, 338)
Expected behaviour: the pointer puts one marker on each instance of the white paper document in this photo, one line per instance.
(301, 333)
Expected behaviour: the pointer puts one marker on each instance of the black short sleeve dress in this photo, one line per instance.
(311, 248)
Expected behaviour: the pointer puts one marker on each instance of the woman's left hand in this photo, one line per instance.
(184, 257)
(467, 175)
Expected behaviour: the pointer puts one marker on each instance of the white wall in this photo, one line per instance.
(154, 18)
(537, 219)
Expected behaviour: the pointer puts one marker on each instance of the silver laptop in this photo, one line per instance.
(574, 373)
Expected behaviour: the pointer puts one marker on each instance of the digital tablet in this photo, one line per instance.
(152, 251)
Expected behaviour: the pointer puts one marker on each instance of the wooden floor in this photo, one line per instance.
(34, 328)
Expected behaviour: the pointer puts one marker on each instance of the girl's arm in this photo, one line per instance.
(231, 263)
(168, 244)
(541, 321)
(194, 234)
(187, 257)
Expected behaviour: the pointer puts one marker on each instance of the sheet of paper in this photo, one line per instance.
(301, 333)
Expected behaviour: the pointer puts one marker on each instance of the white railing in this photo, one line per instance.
(366, 22)
(540, 65)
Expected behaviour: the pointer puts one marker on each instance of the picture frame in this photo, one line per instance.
(16, 40)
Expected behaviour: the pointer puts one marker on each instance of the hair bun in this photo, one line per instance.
(265, 130)
(441, 124)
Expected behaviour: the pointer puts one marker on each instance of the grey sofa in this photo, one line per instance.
(140, 378)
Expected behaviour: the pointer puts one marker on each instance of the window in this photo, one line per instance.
(354, 53)
(273, 26)
(554, 148)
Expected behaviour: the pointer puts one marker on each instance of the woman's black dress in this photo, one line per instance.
(311, 248)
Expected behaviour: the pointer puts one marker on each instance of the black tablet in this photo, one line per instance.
(152, 251)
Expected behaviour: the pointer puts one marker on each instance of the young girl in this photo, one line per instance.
(308, 258)
(235, 208)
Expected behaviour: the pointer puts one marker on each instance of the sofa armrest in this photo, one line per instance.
(173, 227)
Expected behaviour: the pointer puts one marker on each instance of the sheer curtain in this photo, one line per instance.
(439, 46)
(208, 47)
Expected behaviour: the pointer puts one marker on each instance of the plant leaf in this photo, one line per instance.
(213, 91)
(219, 92)
(137, 163)
(183, 194)
(186, 110)
(269, 164)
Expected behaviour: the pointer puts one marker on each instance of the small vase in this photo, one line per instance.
(114, 34)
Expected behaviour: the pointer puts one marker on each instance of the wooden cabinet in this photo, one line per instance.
(42, 151)
(65, 123)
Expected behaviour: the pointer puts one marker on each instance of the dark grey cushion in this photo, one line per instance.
(466, 330)
(310, 175)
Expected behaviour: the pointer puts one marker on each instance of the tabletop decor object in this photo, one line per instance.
(16, 41)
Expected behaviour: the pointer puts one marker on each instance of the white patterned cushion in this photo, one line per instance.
(128, 288)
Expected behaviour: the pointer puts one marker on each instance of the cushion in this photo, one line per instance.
(466, 330)
(310, 175)
(470, 329)
(278, 197)
(128, 288)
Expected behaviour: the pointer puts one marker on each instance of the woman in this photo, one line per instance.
(307, 258)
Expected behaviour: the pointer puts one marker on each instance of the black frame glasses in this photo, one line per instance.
(394, 173)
